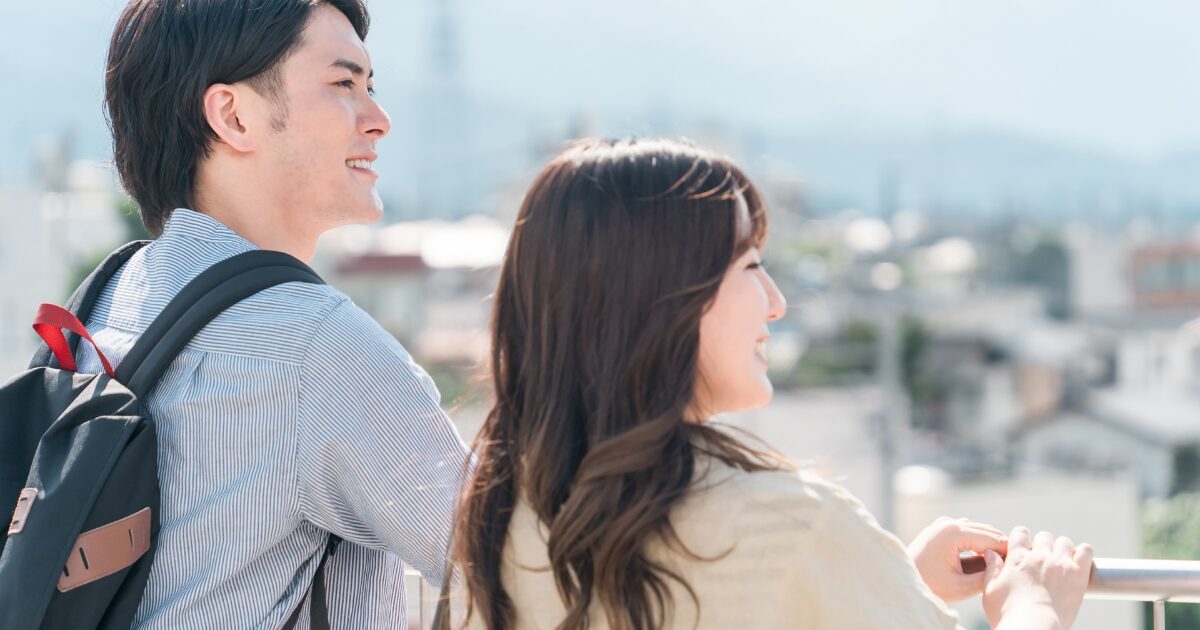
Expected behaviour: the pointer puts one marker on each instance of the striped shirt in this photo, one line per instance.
(290, 416)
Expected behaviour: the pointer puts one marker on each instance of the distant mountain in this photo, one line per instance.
(983, 171)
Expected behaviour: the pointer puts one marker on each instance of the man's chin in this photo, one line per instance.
(369, 211)
(376, 206)
(373, 214)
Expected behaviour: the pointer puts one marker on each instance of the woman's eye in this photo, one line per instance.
(755, 265)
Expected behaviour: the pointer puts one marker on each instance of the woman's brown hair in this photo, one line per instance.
(618, 251)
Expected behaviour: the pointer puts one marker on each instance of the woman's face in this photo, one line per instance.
(733, 335)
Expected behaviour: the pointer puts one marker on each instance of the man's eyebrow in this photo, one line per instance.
(353, 67)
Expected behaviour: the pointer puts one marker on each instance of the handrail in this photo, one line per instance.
(1158, 581)
(1145, 580)
(1139, 580)
(1125, 579)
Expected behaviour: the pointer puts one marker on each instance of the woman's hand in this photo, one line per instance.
(1039, 585)
(936, 552)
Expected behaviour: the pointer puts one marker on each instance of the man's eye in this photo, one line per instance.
(349, 85)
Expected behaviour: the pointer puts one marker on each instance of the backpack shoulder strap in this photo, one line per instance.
(84, 298)
(318, 608)
(208, 295)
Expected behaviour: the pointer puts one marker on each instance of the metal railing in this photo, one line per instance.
(1157, 581)
(426, 598)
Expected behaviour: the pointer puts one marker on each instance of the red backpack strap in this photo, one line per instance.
(50, 322)
(85, 298)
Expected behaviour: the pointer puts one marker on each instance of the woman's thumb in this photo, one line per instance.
(994, 565)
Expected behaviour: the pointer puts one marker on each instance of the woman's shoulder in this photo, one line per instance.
(798, 496)
(818, 542)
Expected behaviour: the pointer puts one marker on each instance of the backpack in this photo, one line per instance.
(79, 467)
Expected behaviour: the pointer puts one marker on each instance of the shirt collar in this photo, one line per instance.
(192, 225)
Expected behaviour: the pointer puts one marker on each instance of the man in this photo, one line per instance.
(241, 124)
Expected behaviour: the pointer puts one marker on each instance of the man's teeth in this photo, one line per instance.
(358, 163)
(760, 349)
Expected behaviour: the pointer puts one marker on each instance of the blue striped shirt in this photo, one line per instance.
(291, 415)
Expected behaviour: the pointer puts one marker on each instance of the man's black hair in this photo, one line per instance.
(164, 54)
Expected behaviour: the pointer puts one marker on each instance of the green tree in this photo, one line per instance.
(925, 386)
(1187, 470)
(132, 218)
(847, 357)
(1047, 266)
(127, 210)
(1171, 530)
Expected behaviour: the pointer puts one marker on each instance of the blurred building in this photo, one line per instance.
(425, 282)
(1153, 437)
(56, 228)
(1166, 275)
(832, 431)
(22, 247)
(1099, 270)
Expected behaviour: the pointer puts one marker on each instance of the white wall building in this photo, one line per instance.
(832, 432)
(1120, 430)
(1099, 270)
(28, 277)
(46, 240)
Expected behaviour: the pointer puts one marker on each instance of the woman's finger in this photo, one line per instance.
(1083, 554)
(981, 526)
(980, 540)
(1020, 537)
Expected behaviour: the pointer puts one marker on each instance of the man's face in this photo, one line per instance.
(319, 162)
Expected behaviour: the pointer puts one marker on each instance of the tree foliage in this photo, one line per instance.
(1171, 531)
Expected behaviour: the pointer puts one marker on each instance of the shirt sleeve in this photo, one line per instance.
(858, 574)
(377, 460)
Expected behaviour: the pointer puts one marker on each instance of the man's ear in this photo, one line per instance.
(229, 114)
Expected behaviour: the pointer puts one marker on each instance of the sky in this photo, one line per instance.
(1119, 78)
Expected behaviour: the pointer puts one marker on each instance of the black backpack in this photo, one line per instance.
(78, 466)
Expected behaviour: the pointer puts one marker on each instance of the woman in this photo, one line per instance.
(632, 307)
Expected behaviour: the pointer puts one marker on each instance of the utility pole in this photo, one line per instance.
(892, 417)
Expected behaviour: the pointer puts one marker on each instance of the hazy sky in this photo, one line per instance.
(1120, 76)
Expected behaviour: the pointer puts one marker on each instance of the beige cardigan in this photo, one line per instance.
(802, 553)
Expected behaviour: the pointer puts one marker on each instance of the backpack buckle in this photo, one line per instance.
(21, 514)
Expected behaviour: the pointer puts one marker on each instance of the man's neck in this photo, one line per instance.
(264, 229)
(255, 216)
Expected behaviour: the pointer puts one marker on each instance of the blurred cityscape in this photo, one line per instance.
(981, 324)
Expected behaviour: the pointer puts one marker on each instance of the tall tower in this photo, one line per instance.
(447, 185)
(444, 60)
